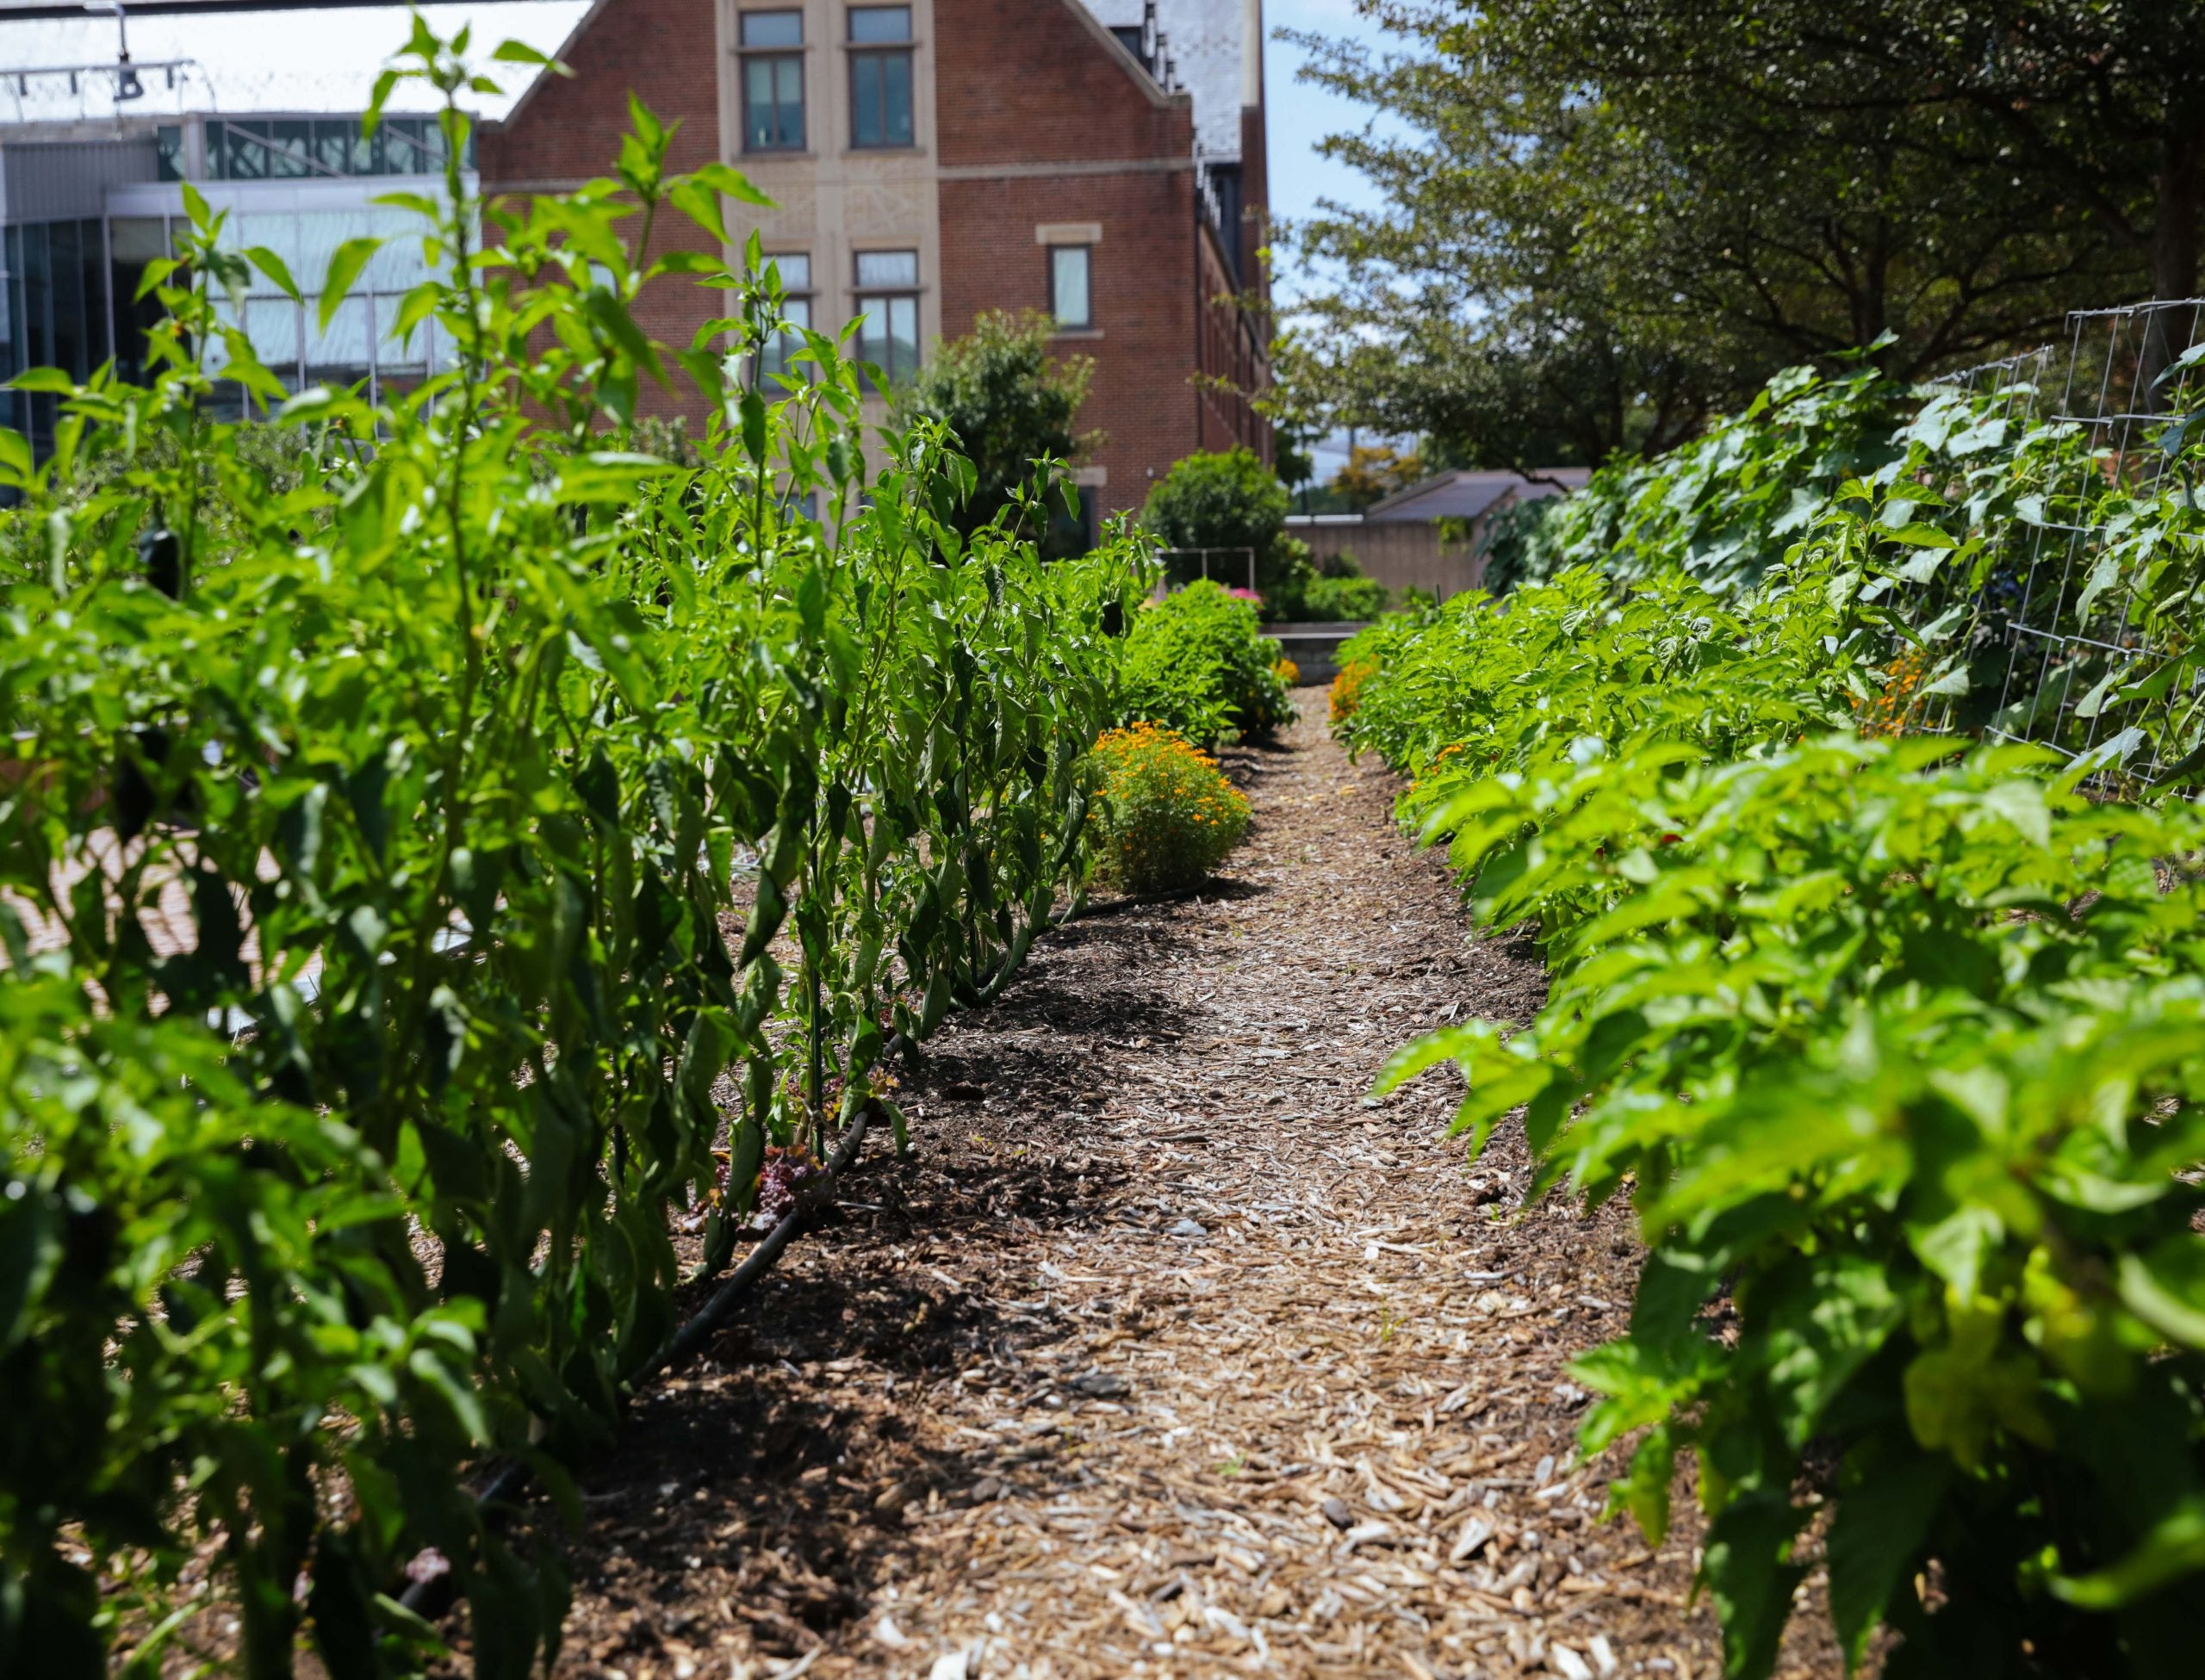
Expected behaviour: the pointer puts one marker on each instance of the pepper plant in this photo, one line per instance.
(432, 870)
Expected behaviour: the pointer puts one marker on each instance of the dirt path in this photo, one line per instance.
(1169, 1356)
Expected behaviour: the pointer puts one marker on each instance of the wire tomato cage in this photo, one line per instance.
(2078, 611)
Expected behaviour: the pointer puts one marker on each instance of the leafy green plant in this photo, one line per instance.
(1005, 400)
(1165, 815)
(398, 853)
(1340, 600)
(1892, 1043)
(1229, 499)
(1196, 661)
(1900, 1060)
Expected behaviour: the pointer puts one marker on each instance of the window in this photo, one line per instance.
(1070, 300)
(888, 311)
(772, 81)
(880, 76)
(54, 314)
(262, 149)
(795, 270)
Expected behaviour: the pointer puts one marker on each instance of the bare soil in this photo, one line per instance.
(1169, 1353)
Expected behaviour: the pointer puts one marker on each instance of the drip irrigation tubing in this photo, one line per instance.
(432, 1598)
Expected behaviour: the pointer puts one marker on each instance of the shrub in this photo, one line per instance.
(1341, 600)
(1197, 662)
(1228, 501)
(1289, 671)
(1167, 816)
(1009, 404)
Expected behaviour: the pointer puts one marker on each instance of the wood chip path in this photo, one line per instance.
(1169, 1356)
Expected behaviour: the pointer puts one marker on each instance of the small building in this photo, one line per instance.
(261, 112)
(1433, 535)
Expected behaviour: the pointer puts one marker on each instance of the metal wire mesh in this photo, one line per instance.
(2080, 622)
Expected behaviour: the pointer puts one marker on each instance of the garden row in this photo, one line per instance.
(445, 852)
(1895, 1040)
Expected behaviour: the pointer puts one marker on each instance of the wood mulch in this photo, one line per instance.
(1169, 1354)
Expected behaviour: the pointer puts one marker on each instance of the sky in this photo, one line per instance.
(1301, 114)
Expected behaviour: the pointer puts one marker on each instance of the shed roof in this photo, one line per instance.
(1465, 493)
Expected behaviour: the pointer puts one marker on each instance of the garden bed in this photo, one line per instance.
(1168, 1353)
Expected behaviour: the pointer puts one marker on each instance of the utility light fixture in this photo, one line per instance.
(128, 87)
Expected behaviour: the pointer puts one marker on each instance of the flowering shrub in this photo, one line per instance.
(1288, 672)
(1347, 689)
(1167, 816)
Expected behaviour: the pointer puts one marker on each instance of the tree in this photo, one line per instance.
(1603, 221)
(1007, 401)
(1955, 172)
(1229, 500)
(1374, 471)
(1462, 311)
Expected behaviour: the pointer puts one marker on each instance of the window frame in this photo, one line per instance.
(805, 294)
(863, 296)
(1066, 323)
(746, 55)
(880, 52)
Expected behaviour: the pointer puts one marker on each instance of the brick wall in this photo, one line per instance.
(1029, 81)
(569, 131)
(1031, 97)
(1143, 284)
(1025, 83)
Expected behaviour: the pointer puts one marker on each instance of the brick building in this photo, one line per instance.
(1101, 161)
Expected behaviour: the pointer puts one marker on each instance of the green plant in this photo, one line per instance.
(1007, 403)
(1226, 500)
(1893, 1045)
(1167, 816)
(1900, 1061)
(509, 795)
(1341, 600)
(1196, 661)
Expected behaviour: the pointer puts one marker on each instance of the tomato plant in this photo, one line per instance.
(1892, 1043)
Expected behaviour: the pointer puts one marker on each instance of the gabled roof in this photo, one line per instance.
(1465, 493)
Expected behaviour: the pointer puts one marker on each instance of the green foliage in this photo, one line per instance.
(1166, 815)
(1598, 225)
(1340, 600)
(1894, 1045)
(1228, 500)
(1006, 402)
(1197, 662)
(485, 776)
